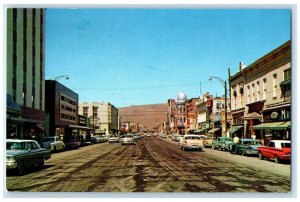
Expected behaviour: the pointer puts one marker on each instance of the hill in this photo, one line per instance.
(150, 116)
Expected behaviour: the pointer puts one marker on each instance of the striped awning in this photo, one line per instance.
(273, 126)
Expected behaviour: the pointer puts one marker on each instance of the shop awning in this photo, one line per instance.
(273, 126)
(80, 127)
(199, 131)
(213, 130)
(253, 115)
(233, 129)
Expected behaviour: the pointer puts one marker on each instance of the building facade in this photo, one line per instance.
(103, 116)
(262, 91)
(62, 113)
(25, 73)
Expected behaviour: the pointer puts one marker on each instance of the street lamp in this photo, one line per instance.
(224, 84)
(62, 76)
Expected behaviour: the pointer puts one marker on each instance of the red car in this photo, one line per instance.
(277, 150)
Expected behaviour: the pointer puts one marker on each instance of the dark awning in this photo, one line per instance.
(12, 105)
(233, 129)
(274, 126)
(285, 83)
(213, 130)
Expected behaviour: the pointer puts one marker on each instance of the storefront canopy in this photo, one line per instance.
(233, 129)
(213, 130)
(199, 131)
(273, 126)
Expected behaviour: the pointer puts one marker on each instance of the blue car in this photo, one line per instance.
(23, 154)
(222, 143)
(246, 147)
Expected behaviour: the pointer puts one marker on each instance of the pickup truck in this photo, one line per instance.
(24, 154)
(191, 142)
(278, 150)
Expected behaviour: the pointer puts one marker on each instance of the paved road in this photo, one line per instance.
(153, 165)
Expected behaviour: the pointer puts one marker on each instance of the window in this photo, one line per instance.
(274, 86)
(248, 94)
(287, 74)
(253, 93)
(257, 91)
(264, 88)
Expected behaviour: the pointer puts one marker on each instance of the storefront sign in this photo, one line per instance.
(274, 115)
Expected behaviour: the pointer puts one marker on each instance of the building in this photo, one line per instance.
(215, 108)
(103, 116)
(62, 114)
(203, 119)
(192, 114)
(262, 91)
(25, 73)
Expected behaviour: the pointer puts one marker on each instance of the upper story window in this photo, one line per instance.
(274, 86)
(264, 88)
(287, 74)
(257, 90)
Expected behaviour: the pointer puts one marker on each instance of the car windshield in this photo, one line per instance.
(286, 145)
(15, 146)
(48, 139)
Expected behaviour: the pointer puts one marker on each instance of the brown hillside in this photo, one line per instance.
(150, 116)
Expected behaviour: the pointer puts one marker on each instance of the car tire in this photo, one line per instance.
(20, 168)
(276, 159)
(260, 156)
(54, 149)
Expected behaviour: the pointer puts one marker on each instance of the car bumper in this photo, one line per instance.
(251, 152)
(286, 157)
(128, 142)
(11, 165)
(193, 146)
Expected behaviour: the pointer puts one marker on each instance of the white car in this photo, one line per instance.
(128, 139)
(112, 139)
(191, 142)
(54, 143)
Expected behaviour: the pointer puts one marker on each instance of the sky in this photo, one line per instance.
(147, 56)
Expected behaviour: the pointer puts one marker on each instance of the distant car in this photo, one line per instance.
(112, 139)
(136, 137)
(54, 143)
(222, 143)
(246, 147)
(208, 141)
(163, 135)
(95, 139)
(23, 154)
(128, 139)
(279, 150)
(191, 142)
(175, 137)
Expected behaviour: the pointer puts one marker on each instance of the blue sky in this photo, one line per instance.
(146, 56)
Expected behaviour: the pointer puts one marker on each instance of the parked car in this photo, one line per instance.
(54, 143)
(222, 143)
(175, 137)
(24, 154)
(191, 142)
(279, 150)
(95, 139)
(128, 139)
(208, 141)
(246, 147)
(163, 135)
(112, 139)
(136, 137)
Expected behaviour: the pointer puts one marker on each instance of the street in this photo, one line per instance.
(155, 164)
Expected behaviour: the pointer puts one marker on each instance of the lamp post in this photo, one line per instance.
(62, 76)
(224, 84)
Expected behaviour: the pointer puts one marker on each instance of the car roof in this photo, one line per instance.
(281, 141)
